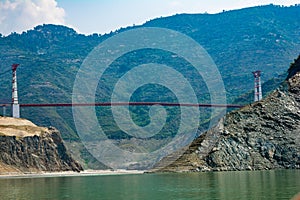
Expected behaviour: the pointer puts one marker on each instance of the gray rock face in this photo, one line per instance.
(263, 135)
(37, 153)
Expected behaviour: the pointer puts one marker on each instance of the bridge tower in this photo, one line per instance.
(257, 86)
(15, 102)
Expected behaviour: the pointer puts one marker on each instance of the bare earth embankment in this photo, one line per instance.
(26, 148)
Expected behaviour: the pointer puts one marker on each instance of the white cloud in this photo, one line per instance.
(21, 15)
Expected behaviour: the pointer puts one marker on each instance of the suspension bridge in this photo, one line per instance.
(15, 105)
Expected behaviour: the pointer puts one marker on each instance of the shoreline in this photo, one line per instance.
(69, 173)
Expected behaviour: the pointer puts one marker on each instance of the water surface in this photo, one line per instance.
(281, 184)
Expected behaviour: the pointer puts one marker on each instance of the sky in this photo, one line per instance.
(103, 16)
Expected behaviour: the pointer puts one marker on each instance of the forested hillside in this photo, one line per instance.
(262, 38)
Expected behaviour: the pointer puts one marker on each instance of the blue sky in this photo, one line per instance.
(102, 16)
(106, 15)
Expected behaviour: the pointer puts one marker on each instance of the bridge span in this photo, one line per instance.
(132, 104)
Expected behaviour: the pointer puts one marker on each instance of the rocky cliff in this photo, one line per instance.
(263, 135)
(26, 148)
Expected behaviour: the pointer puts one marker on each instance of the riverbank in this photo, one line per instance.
(69, 173)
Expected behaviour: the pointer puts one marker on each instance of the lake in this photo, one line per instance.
(281, 184)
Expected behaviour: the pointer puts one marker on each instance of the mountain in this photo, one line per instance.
(262, 38)
(262, 135)
(27, 148)
(242, 41)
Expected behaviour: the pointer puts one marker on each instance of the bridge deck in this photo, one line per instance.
(132, 104)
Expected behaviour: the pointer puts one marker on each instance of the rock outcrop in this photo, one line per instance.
(27, 148)
(263, 135)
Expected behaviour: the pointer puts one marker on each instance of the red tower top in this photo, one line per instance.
(257, 74)
(14, 67)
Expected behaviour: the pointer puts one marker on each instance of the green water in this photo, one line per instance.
(219, 185)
